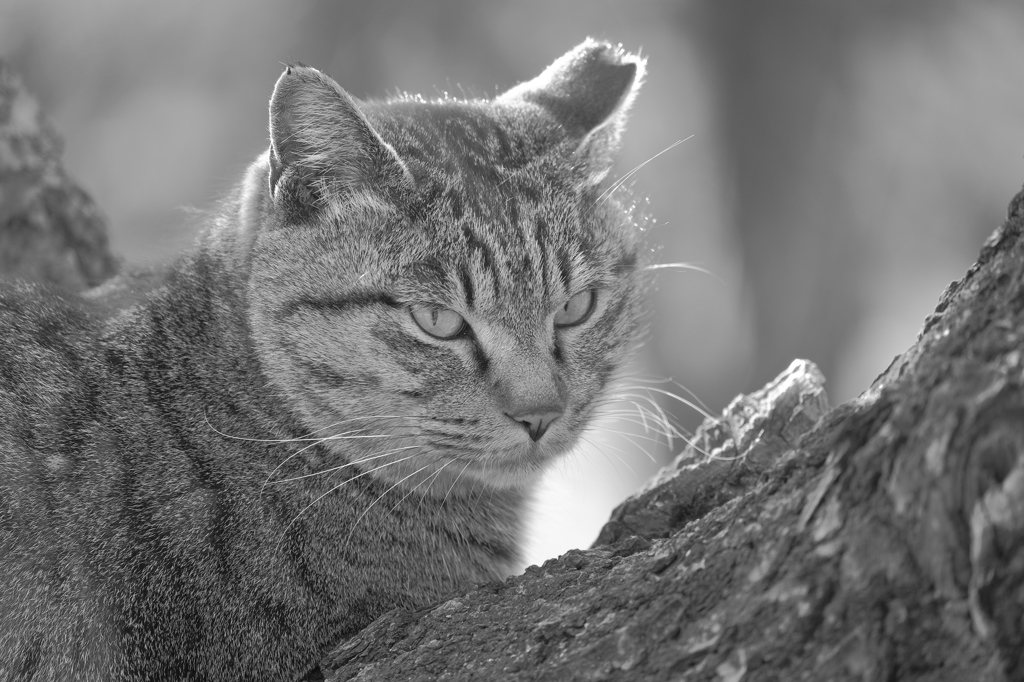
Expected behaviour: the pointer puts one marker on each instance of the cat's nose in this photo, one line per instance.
(536, 422)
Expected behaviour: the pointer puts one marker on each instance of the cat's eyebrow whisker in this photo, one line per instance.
(618, 183)
(679, 266)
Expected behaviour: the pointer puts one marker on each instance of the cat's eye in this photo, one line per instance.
(576, 310)
(441, 323)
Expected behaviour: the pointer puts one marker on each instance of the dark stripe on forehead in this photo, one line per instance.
(467, 287)
(474, 243)
(565, 269)
(540, 234)
(528, 272)
(482, 361)
(334, 306)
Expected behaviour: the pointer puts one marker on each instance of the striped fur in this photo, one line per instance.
(262, 451)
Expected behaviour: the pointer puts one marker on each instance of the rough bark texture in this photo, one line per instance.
(881, 540)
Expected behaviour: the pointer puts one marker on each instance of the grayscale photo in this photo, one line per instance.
(570, 340)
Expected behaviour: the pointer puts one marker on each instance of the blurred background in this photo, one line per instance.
(847, 159)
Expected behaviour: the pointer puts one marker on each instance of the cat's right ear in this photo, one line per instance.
(588, 93)
(321, 141)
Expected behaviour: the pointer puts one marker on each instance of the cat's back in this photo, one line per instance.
(48, 347)
(49, 373)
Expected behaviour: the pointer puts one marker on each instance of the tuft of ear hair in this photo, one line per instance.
(588, 93)
(318, 132)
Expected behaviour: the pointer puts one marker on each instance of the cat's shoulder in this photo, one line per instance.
(30, 307)
(43, 329)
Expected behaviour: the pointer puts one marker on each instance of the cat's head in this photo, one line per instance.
(447, 286)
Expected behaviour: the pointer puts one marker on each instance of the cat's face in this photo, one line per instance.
(455, 305)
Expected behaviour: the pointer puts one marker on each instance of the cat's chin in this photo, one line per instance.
(510, 477)
(519, 471)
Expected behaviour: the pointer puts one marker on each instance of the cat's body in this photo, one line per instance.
(336, 405)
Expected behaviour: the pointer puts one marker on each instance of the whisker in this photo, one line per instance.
(678, 266)
(675, 383)
(633, 437)
(307, 437)
(432, 479)
(314, 444)
(338, 487)
(618, 183)
(433, 476)
(631, 417)
(665, 422)
(684, 266)
(452, 486)
(600, 448)
(698, 408)
(643, 417)
(381, 497)
(657, 421)
(343, 466)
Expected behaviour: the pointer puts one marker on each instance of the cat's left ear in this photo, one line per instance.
(318, 131)
(588, 92)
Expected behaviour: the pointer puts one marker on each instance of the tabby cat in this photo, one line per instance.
(337, 404)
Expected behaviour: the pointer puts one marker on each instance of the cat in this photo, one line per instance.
(338, 403)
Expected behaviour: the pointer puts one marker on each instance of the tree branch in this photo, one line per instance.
(50, 229)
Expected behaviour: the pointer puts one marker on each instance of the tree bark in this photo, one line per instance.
(50, 229)
(880, 540)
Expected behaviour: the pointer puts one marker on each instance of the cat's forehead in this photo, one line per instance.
(502, 220)
(478, 137)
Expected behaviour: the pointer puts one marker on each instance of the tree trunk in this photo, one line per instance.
(50, 229)
(881, 540)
